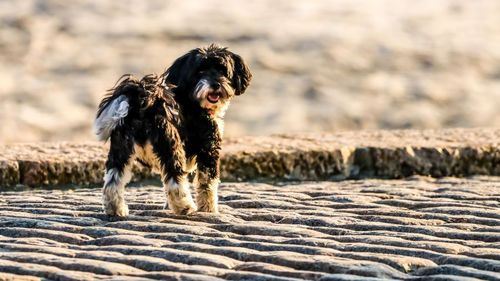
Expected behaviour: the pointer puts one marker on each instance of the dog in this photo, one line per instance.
(173, 123)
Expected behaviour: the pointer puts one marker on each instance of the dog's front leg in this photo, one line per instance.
(206, 190)
(207, 176)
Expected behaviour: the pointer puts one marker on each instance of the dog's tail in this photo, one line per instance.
(129, 93)
(114, 107)
(111, 116)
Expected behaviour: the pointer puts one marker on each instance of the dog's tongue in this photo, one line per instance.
(213, 97)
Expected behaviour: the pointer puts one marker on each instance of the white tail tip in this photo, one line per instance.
(111, 117)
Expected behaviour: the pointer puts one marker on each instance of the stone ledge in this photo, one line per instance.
(379, 154)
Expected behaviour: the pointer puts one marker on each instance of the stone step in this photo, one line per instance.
(363, 154)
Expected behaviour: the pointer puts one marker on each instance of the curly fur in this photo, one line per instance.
(172, 123)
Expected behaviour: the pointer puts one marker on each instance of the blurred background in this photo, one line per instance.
(317, 65)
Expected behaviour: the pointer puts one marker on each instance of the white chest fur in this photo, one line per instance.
(220, 125)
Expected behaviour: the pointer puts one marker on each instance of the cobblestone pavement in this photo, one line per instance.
(414, 229)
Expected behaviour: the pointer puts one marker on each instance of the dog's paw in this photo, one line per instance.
(207, 200)
(116, 211)
(183, 207)
(188, 210)
(209, 208)
(179, 198)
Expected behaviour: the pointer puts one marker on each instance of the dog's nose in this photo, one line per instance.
(216, 86)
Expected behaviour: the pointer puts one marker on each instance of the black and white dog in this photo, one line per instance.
(173, 123)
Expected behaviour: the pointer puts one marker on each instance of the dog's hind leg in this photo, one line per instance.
(171, 155)
(118, 174)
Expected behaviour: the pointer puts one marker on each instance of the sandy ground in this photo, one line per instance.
(317, 65)
(414, 229)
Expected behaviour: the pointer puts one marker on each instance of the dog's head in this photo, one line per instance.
(209, 76)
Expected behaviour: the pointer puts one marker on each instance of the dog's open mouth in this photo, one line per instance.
(213, 97)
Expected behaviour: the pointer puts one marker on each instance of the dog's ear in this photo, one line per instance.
(183, 69)
(241, 75)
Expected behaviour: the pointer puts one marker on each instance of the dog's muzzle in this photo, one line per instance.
(213, 97)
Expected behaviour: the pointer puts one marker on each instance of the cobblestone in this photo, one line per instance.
(417, 228)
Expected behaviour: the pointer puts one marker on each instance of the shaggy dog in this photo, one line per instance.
(173, 123)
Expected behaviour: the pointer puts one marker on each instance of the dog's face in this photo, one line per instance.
(210, 76)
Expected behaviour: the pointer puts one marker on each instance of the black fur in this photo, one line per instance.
(183, 72)
(176, 114)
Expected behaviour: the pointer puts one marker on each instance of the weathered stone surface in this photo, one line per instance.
(379, 154)
(55, 164)
(420, 228)
(9, 172)
(14, 277)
